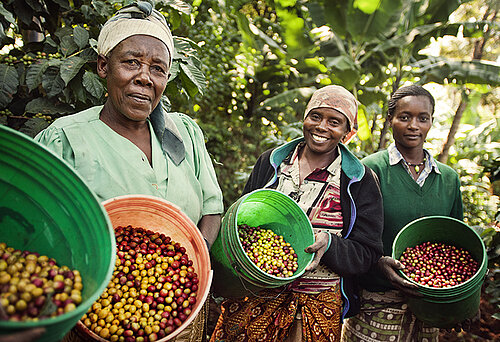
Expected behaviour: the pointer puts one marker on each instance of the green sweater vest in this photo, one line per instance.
(405, 201)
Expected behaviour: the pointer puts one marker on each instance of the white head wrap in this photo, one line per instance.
(135, 19)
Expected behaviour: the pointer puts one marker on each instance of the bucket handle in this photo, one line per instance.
(240, 276)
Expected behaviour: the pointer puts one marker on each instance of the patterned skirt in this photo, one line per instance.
(270, 316)
(385, 316)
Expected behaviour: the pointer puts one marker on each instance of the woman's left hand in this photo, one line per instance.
(318, 247)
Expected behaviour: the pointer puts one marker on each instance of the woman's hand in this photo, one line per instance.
(319, 247)
(388, 266)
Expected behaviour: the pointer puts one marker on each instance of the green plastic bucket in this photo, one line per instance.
(46, 208)
(444, 307)
(235, 275)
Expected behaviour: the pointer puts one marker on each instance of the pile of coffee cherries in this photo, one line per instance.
(269, 251)
(438, 265)
(151, 293)
(33, 286)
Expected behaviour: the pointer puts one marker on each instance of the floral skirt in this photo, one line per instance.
(269, 317)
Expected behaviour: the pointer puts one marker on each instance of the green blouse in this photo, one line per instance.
(112, 165)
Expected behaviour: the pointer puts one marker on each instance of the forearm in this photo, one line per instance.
(209, 226)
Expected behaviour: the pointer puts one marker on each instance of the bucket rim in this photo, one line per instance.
(444, 291)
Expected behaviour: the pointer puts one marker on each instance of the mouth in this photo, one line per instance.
(412, 136)
(140, 97)
(318, 138)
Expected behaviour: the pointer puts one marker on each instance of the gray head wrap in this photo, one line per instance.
(138, 18)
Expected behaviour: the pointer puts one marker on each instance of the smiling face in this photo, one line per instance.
(136, 73)
(411, 122)
(323, 129)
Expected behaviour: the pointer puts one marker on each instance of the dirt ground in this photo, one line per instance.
(486, 330)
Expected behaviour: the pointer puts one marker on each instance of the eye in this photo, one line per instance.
(334, 122)
(403, 117)
(132, 63)
(315, 116)
(424, 118)
(158, 69)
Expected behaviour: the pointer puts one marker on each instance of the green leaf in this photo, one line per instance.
(92, 83)
(195, 75)
(367, 6)
(63, 3)
(382, 22)
(179, 5)
(364, 132)
(440, 69)
(68, 45)
(288, 97)
(35, 73)
(33, 126)
(52, 82)
(496, 315)
(47, 107)
(80, 36)
(7, 16)
(9, 81)
(71, 67)
(341, 63)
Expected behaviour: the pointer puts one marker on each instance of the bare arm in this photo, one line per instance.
(209, 226)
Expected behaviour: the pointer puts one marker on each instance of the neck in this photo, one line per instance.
(413, 155)
(318, 160)
(119, 123)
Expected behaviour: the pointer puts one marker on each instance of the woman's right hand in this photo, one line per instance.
(319, 247)
(388, 266)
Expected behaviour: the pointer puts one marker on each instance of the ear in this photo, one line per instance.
(102, 66)
(389, 118)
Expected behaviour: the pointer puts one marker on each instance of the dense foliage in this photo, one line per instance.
(245, 69)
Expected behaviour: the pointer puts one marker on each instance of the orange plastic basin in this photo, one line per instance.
(161, 216)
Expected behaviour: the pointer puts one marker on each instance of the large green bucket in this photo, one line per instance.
(444, 307)
(235, 275)
(46, 208)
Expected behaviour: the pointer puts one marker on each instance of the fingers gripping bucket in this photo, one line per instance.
(45, 207)
(235, 275)
(444, 307)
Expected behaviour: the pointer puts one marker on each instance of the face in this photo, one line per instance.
(136, 73)
(323, 129)
(411, 121)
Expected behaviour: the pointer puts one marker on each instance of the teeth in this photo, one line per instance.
(318, 138)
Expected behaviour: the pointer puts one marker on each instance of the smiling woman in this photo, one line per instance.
(130, 145)
(342, 200)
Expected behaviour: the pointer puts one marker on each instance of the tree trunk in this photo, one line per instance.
(443, 156)
(477, 54)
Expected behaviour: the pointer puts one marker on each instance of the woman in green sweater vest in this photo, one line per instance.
(413, 185)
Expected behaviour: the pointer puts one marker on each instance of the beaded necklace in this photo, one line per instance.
(417, 166)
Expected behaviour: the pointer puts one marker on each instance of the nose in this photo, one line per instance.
(323, 125)
(143, 76)
(412, 124)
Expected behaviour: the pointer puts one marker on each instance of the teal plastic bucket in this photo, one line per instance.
(46, 207)
(444, 307)
(235, 275)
